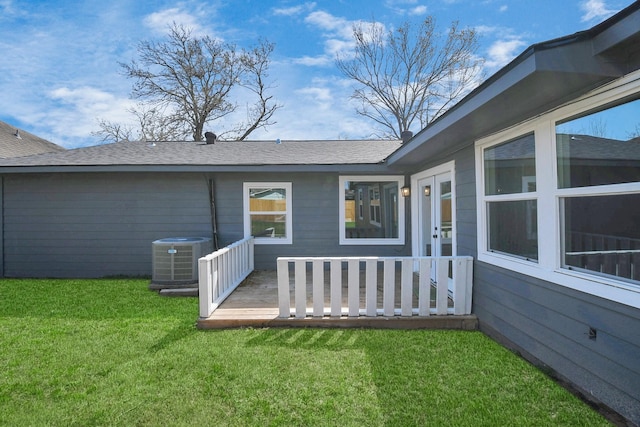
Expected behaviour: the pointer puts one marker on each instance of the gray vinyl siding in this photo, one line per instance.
(103, 224)
(549, 323)
(466, 233)
(315, 213)
(1, 227)
(96, 225)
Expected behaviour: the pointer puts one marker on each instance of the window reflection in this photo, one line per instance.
(600, 148)
(511, 167)
(371, 209)
(268, 212)
(607, 239)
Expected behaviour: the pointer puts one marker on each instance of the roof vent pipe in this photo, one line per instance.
(406, 135)
(210, 137)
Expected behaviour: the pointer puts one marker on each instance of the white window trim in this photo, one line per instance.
(341, 210)
(289, 218)
(548, 196)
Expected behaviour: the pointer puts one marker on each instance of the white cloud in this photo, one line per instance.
(503, 51)
(418, 10)
(7, 8)
(486, 29)
(338, 34)
(336, 26)
(79, 110)
(503, 8)
(595, 10)
(294, 10)
(161, 21)
(406, 7)
(314, 61)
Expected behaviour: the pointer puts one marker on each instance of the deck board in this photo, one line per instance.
(255, 304)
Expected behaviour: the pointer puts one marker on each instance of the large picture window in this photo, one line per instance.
(371, 210)
(559, 195)
(267, 212)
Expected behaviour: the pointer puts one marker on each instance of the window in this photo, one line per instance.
(380, 210)
(601, 235)
(559, 195)
(511, 211)
(600, 232)
(267, 212)
(600, 148)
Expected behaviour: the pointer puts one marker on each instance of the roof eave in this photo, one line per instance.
(378, 168)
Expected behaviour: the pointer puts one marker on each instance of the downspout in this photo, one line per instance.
(212, 205)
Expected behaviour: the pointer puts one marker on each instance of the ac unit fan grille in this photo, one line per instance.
(170, 266)
(175, 260)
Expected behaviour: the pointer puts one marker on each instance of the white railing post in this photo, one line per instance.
(300, 287)
(371, 293)
(284, 297)
(442, 286)
(318, 287)
(353, 287)
(388, 287)
(336, 287)
(468, 288)
(424, 287)
(406, 288)
(204, 290)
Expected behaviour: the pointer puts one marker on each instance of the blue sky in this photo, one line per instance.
(60, 70)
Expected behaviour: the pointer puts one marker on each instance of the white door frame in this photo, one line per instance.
(416, 220)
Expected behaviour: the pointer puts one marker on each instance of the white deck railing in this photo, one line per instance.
(221, 272)
(410, 280)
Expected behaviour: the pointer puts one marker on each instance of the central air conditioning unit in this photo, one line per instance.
(175, 260)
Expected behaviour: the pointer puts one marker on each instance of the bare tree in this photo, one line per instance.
(256, 64)
(113, 132)
(410, 75)
(153, 124)
(186, 82)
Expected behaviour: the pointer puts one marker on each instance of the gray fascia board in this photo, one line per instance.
(341, 168)
(625, 28)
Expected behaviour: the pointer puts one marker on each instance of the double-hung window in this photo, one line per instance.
(510, 188)
(267, 212)
(559, 195)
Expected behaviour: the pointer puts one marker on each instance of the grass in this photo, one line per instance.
(110, 352)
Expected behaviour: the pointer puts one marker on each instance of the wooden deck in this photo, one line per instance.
(255, 304)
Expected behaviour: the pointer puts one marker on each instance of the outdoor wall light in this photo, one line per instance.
(406, 191)
(427, 191)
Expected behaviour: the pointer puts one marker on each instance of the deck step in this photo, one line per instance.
(181, 292)
(268, 320)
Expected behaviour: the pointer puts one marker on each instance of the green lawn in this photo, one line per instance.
(110, 352)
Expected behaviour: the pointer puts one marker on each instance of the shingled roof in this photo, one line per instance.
(17, 143)
(222, 153)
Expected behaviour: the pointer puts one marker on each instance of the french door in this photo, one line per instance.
(433, 214)
(436, 217)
